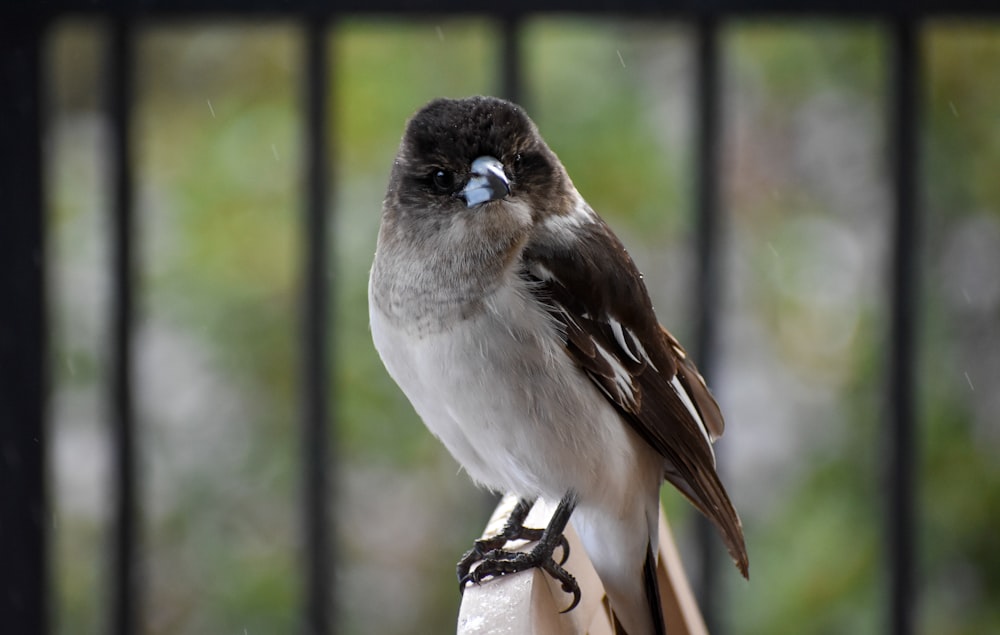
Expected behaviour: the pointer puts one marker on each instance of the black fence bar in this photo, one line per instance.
(126, 583)
(511, 84)
(706, 275)
(24, 513)
(904, 114)
(316, 551)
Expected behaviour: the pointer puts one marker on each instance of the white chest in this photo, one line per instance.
(506, 400)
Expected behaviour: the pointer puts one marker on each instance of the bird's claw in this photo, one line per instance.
(479, 550)
(485, 546)
(497, 562)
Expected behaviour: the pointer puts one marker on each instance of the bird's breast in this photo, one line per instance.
(500, 392)
(426, 276)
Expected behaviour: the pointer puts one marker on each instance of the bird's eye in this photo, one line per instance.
(444, 181)
(519, 162)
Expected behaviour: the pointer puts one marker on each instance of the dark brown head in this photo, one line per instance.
(462, 153)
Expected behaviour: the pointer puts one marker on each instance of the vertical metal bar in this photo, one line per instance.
(706, 288)
(904, 112)
(24, 510)
(125, 579)
(510, 59)
(315, 373)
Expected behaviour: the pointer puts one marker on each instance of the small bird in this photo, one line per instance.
(521, 331)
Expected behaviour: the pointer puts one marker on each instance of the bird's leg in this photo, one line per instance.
(497, 562)
(513, 529)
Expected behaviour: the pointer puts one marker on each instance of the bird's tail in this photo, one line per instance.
(651, 590)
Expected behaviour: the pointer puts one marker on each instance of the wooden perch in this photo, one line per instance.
(528, 603)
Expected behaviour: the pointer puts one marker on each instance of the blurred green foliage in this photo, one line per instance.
(218, 160)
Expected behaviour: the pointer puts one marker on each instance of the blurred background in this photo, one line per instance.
(800, 369)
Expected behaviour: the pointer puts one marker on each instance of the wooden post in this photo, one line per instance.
(530, 602)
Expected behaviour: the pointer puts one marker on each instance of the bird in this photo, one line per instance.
(521, 331)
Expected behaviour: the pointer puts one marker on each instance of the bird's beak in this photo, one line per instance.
(487, 183)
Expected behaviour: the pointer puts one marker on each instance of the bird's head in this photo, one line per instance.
(461, 156)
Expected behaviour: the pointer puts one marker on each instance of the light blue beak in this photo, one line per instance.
(488, 182)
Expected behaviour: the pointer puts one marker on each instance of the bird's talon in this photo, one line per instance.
(497, 563)
(494, 561)
(565, 550)
(575, 590)
(569, 583)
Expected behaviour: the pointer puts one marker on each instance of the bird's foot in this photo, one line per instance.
(495, 561)
(498, 562)
(513, 529)
(486, 548)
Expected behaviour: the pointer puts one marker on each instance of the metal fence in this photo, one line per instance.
(24, 477)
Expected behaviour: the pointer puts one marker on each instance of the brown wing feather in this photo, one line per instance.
(589, 294)
(695, 385)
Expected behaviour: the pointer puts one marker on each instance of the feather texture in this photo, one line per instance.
(592, 287)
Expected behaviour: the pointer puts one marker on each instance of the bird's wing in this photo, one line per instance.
(612, 333)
